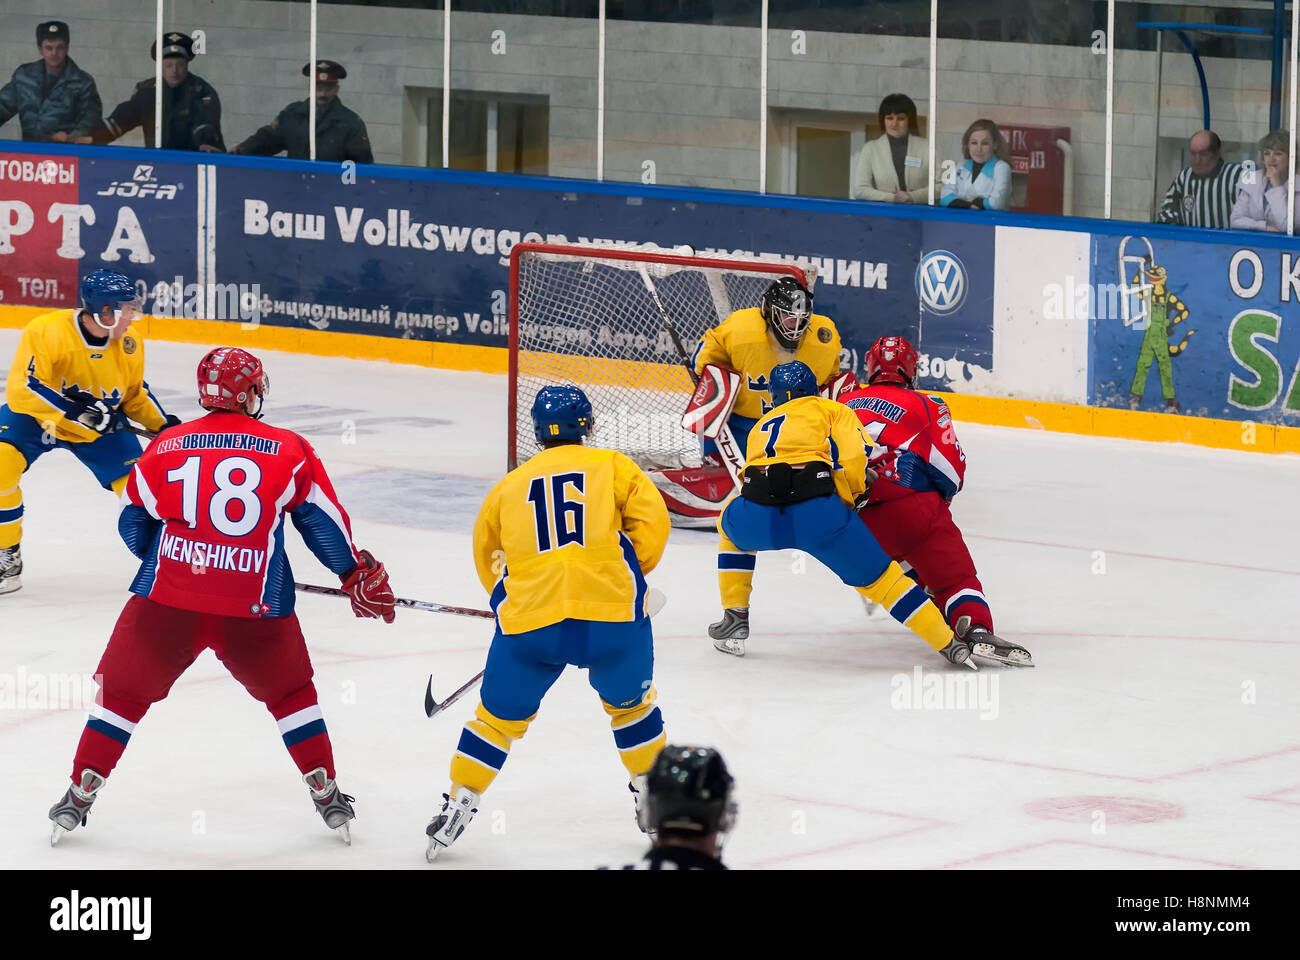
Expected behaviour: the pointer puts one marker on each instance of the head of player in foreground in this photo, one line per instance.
(233, 380)
(108, 304)
(787, 307)
(790, 380)
(562, 415)
(891, 360)
(688, 799)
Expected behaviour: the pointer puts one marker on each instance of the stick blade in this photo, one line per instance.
(430, 705)
(654, 601)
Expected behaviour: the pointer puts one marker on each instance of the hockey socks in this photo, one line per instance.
(735, 574)
(302, 728)
(638, 733)
(108, 730)
(908, 603)
(482, 750)
(12, 466)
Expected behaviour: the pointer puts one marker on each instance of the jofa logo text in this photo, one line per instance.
(143, 183)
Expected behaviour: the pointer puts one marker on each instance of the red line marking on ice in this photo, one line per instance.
(923, 823)
(1273, 797)
(1203, 768)
(1130, 553)
(1097, 846)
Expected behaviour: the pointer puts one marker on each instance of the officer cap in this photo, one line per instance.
(52, 30)
(327, 71)
(174, 45)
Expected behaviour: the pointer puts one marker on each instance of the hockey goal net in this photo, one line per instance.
(585, 316)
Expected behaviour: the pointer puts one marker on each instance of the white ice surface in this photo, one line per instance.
(1154, 584)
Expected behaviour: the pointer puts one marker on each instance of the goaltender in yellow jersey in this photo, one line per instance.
(562, 543)
(75, 375)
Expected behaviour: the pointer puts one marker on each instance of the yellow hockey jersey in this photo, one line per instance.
(54, 359)
(807, 429)
(744, 343)
(570, 534)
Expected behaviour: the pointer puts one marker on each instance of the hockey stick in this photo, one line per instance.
(654, 602)
(139, 431)
(725, 440)
(428, 605)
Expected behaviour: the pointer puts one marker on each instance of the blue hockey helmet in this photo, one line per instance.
(790, 380)
(561, 413)
(106, 288)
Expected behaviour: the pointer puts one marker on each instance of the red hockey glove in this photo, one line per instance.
(367, 587)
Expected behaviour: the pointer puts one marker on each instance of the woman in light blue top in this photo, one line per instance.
(1261, 196)
(983, 180)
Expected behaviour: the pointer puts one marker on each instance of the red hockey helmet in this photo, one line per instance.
(891, 360)
(228, 376)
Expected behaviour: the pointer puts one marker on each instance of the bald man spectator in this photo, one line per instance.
(1203, 193)
(55, 100)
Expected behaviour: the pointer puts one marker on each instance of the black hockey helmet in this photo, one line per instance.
(688, 791)
(787, 308)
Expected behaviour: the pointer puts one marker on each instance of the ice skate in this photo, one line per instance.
(71, 811)
(637, 788)
(958, 651)
(11, 568)
(730, 633)
(990, 646)
(333, 805)
(450, 822)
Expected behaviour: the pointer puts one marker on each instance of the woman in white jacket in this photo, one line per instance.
(983, 180)
(1261, 197)
(895, 167)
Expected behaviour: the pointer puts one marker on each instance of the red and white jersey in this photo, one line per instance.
(916, 445)
(204, 510)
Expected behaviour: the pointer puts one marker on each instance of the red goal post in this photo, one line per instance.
(584, 315)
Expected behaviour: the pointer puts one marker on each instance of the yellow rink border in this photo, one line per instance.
(966, 408)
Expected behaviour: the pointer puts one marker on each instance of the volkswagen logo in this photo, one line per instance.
(941, 282)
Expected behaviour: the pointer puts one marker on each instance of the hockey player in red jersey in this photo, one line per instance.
(920, 467)
(204, 510)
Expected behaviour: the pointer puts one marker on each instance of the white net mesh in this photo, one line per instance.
(585, 316)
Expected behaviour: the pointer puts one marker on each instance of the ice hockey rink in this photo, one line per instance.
(1154, 584)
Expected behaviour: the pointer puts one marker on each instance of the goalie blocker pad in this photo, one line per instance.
(840, 384)
(711, 403)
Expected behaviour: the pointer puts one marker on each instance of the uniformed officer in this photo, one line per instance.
(53, 97)
(191, 108)
(340, 133)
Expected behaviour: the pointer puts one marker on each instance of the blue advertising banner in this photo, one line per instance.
(427, 260)
(1196, 327)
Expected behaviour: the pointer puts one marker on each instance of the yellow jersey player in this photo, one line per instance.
(74, 377)
(752, 342)
(562, 543)
(805, 467)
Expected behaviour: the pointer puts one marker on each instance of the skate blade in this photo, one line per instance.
(11, 585)
(730, 645)
(1015, 658)
(344, 833)
(434, 848)
(56, 835)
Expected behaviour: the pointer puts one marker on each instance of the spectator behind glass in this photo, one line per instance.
(982, 181)
(895, 167)
(53, 97)
(1261, 200)
(1202, 194)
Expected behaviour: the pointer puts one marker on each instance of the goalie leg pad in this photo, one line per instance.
(696, 496)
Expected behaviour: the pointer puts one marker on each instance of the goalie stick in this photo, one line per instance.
(654, 602)
(725, 440)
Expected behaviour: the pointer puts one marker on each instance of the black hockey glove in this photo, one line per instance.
(95, 414)
(172, 421)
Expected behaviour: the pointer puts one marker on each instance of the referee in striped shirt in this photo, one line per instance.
(1202, 194)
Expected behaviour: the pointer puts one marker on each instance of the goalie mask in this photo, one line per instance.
(787, 308)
